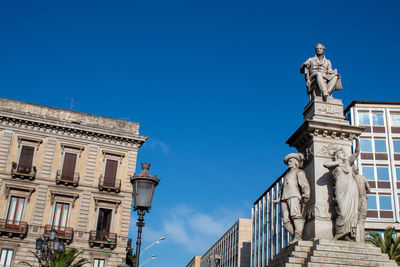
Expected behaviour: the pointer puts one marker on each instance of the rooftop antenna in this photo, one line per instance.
(73, 105)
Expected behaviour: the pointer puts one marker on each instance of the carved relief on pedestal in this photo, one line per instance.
(330, 109)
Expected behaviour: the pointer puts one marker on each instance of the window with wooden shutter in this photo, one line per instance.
(15, 211)
(60, 218)
(110, 172)
(25, 159)
(68, 170)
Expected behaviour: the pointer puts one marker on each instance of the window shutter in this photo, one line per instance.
(26, 157)
(69, 166)
(110, 172)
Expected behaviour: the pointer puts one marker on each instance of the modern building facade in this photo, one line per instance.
(232, 249)
(379, 162)
(68, 171)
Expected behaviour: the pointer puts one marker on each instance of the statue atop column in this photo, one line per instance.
(295, 192)
(321, 79)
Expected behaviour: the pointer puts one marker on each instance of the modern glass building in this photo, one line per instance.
(379, 162)
(380, 159)
(268, 234)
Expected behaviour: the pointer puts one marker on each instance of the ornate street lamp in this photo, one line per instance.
(48, 247)
(143, 190)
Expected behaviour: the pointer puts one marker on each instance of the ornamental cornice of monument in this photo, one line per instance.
(310, 129)
(71, 130)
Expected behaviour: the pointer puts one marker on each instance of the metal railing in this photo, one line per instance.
(109, 185)
(62, 178)
(17, 227)
(65, 233)
(102, 239)
(23, 171)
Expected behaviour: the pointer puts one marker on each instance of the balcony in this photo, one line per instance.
(24, 172)
(102, 239)
(109, 185)
(67, 180)
(15, 229)
(64, 233)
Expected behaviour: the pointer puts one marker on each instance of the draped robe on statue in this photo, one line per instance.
(346, 196)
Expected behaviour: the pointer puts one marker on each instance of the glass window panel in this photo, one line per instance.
(371, 202)
(380, 145)
(368, 172)
(363, 118)
(6, 257)
(377, 119)
(20, 207)
(57, 213)
(398, 174)
(64, 215)
(385, 202)
(395, 119)
(366, 145)
(396, 146)
(11, 210)
(382, 173)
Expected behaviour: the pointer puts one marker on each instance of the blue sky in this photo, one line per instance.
(214, 84)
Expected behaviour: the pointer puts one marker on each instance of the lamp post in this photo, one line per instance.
(153, 257)
(154, 243)
(48, 247)
(143, 190)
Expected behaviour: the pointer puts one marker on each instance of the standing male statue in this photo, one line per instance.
(363, 190)
(295, 192)
(321, 80)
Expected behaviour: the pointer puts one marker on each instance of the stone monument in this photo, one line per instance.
(335, 212)
(295, 193)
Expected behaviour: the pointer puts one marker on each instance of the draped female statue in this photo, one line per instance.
(346, 192)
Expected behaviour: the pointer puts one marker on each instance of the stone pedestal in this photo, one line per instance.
(324, 128)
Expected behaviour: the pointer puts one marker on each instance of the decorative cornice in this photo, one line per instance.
(9, 187)
(55, 193)
(74, 132)
(310, 129)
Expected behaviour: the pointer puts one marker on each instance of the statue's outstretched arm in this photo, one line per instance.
(354, 156)
(331, 164)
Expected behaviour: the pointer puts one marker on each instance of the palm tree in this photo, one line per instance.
(65, 259)
(388, 244)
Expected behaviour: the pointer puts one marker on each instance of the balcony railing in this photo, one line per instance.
(109, 185)
(64, 233)
(102, 239)
(24, 172)
(13, 228)
(63, 179)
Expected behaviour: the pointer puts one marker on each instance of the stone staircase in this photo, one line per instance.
(333, 253)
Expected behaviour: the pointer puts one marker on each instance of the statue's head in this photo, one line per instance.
(319, 49)
(339, 155)
(294, 160)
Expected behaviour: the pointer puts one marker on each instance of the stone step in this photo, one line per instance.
(296, 260)
(343, 243)
(371, 251)
(350, 262)
(342, 255)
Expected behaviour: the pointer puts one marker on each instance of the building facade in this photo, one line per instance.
(195, 262)
(379, 162)
(232, 249)
(268, 234)
(68, 171)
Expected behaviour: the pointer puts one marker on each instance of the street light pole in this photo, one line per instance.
(152, 244)
(143, 190)
(140, 225)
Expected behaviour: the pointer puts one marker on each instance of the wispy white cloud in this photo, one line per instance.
(195, 231)
(157, 144)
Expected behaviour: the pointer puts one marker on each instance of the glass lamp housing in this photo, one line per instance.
(143, 188)
(53, 234)
(39, 243)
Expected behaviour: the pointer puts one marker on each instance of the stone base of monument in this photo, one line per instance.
(326, 252)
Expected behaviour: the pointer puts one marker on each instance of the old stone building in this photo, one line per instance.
(69, 171)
